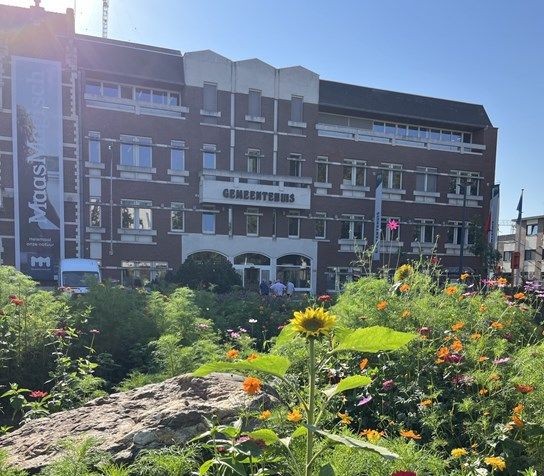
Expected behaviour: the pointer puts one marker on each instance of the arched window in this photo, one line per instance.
(255, 259)
(295, 268)
(206, 256)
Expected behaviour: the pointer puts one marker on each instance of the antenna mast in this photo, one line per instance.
(105, 7)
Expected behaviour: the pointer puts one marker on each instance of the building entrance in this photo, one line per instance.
(252, 268)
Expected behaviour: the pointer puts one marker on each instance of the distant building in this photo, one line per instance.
(139, 157)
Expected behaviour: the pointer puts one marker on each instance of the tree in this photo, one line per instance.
(207, 270)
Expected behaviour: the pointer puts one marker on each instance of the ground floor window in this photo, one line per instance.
(295, 268)
(336, 277)
(139, 273)
(252, 268)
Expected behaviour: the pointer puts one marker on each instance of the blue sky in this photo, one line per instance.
(488, 52)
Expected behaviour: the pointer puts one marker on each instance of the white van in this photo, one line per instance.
(75, 274)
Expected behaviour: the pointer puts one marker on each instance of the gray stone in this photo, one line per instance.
(153, 416)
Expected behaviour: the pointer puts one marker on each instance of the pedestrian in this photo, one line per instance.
(290, 288)
(264, 288)
(278, 288)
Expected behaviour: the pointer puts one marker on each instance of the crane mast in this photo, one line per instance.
(105, 8)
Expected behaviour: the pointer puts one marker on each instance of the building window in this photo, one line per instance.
(460, 178)
(177, 155)
(354, 173)
(322, 170)
(209, 153)
(94, 147)
(208, 222)
(320, 222)
(532, 230)
(390, 228)
(392, 176)
(252, 222)
(136, 151)
(426, 179)
(297, 109)
(95, 213)
(293, 225)
(454, 233)
(254, 106)
(507, 256)
(177, 217)
(352, 227)
(337, 277)
(295, 268)
(210, 97)
(295, 165)
(254, 161)
(530, 255)
(135, 217)
(424, 231)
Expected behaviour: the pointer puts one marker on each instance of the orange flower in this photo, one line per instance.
(295, 416)
(502, 281)
(363, 364)
(233, 354)
(476, 336)
(442, 352)
(252, 385)
(518, 408)
(456, 346)
(382, 305)
(464, 276)
(482, 358)
(497, 325)
(519, 296)
(426, 403)
(265, 415)
(457, 326)
(410, 434)
(406, 314)
(450, 290)
(404, 288)
(517, 421)
(372, 435)
(494, 377)
(439, 361)
(251, 357)
(483, 308)
(523, 388)
(345, 419)
(483, 392)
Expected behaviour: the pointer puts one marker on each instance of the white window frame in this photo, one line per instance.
(421, 224)
(137, 206)
(322, 161)
(534, 229)
(136, 142)
(152, 92)
(321, 217)
(389, 171)
(295, 158)
(426, 172)
(254, 155)
(94, 137)
(457, 226)
(354, 165)
(250, 214)
(210, 212)
(293, 215)
(95, 202)
(177, 207)
(212, 150)
(260, 94)
(214, 85)
(460, 177)
(353, 220)
(387, 234)
(301, 98)
(178, 146)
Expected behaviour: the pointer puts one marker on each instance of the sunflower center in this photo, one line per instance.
(313, 324)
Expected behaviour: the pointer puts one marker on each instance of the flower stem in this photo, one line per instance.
(311, 407)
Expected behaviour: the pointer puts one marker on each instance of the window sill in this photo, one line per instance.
(178, 173)
(208, 232)
(94, 229)
(258, 119)
(420, 193)
(348, 241)
(394, 191)
(203, 112)
(354, 188)
(322, 185)
(300, 125)
(176, 232)
(127, 231)
(456, 196)
(136, 168)
(95, 165)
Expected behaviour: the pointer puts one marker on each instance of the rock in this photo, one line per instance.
(152, 416)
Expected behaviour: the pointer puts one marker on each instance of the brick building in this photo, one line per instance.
(140, 156)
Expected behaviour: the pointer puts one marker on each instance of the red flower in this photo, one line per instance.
(404, 473)
(15, 300)
(324, 298)
(38, 394)
(59, 332)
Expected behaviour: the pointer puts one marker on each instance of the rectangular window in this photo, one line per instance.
(297, 109)
(293, 226)
(177, 217)
(354, 173)
(530, 255)
(209, 153)
(459, 179)
(424, 231)
(378, 127)
(177, 155)
(136, 151)
(426, 179)
(94, 147)
(507, 256)
(136, 218)
(295, 165)
(208, 222)
(390, 228)
(322, 170)
(455, 233)
(252, 222)
(160, 97)
(254, 161)
(143, 95)
(392, 176)
(352, 227)
(95, 213)
(532, 230)
(210, 97)
(320, 225)
(254, 106)
(93, 88)
(110, 90)
(127, 92)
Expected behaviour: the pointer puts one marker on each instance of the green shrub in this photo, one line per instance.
(173, 461)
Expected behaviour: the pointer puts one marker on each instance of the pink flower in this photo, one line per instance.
(388, 385)
(424, 331)
(37, 394)
(404, 473)
(501, 360)
(365, 400)
(94, 331)
(453, 358)
(392, 224)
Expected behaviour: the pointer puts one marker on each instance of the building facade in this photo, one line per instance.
(140, 156)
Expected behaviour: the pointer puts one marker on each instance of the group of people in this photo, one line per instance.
(278, 289)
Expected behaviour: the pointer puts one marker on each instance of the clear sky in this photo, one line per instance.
(489, 52)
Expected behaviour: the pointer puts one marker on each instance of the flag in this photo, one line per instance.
(492, 228)
(520, 208)
(378, 216)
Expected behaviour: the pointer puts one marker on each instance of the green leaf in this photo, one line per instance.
(205, 467)
(286, 335)
(348, 383)
(270, 364)
(327, 470)
(355, 443)
(300, 431)
(268, 436)
(374, 339)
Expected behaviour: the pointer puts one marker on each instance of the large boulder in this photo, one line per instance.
(153, 416)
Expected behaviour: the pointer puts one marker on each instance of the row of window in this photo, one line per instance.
(137, 152)
(529, 255)
(418, 132)
(138, 216)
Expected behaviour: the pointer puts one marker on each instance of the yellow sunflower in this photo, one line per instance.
(313, 322)
(403, 272)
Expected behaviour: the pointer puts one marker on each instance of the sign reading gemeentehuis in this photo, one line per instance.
(37, 166)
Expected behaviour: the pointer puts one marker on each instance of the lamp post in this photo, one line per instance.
(466, 184)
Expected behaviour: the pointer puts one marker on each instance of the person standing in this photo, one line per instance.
(264, 288)
(290, 289)
(278, 288)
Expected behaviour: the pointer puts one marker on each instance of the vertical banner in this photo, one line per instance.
(37, 166)
(494, 216)
(378, 216)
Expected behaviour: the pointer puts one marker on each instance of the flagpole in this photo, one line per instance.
(517, 275)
